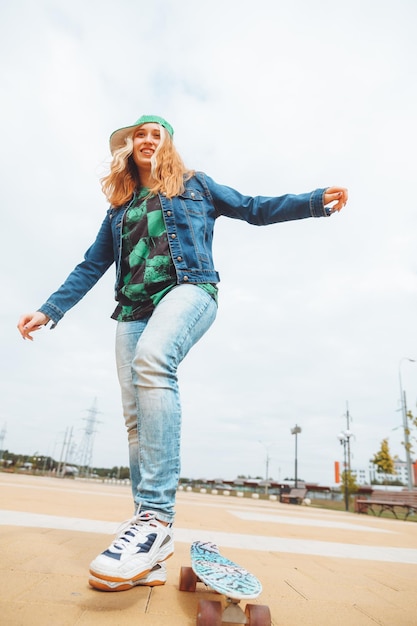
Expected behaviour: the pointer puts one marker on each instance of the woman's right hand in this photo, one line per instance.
(29, 322)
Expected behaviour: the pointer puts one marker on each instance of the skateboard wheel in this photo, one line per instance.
(258, 615)
(188, 580)
(209, 613)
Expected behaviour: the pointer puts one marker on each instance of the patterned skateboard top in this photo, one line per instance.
(221, 574)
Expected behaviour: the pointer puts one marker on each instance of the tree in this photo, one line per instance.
(412, 421)
(348, 484)
(383, 461)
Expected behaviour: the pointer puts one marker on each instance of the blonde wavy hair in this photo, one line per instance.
(167, 169)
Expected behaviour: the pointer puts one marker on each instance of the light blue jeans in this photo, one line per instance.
(148, 353)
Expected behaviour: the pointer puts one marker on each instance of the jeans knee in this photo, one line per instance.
(151, 368)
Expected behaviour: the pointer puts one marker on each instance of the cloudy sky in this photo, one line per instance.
(273, 97)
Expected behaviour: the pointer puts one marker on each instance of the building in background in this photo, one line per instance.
(400, 476)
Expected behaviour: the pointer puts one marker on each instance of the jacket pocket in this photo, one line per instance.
(192, 201)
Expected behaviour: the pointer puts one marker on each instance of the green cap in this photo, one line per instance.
(117, 138)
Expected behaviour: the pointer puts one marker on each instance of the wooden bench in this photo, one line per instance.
(294, 496)
(380, 501)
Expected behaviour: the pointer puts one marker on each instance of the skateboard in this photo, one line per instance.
(227, 578)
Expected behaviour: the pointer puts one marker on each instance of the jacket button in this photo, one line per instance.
(192, 194)
(169, 213)
(173, 236)
(185, 279)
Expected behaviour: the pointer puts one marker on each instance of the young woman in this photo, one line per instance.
(158, 231)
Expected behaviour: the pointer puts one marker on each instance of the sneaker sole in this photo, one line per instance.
(116, 579)
(124, 586)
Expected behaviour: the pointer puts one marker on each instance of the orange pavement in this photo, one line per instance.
(317, 567)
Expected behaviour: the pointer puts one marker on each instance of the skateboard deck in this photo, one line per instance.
(225, 577)
(221, 574)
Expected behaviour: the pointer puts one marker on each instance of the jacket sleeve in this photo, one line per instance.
(97, 260)
(263, 210)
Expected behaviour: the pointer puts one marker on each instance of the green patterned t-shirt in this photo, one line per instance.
(147, 269)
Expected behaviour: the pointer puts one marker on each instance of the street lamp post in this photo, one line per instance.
(344, 438)
(296, 431)
(405, 426)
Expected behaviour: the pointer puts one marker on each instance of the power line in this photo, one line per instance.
(85, 453)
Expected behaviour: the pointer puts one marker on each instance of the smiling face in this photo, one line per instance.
(146, 139)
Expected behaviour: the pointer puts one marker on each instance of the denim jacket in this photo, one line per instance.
(189, 220)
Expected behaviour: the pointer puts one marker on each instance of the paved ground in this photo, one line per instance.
(318, 568)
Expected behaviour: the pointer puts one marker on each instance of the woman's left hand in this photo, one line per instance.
(338, 195)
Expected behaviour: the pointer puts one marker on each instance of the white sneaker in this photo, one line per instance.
(157, 576)
(141, 543)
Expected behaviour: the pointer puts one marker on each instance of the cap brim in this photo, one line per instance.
(117, 138)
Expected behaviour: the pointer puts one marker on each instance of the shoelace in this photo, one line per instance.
(130, 528)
